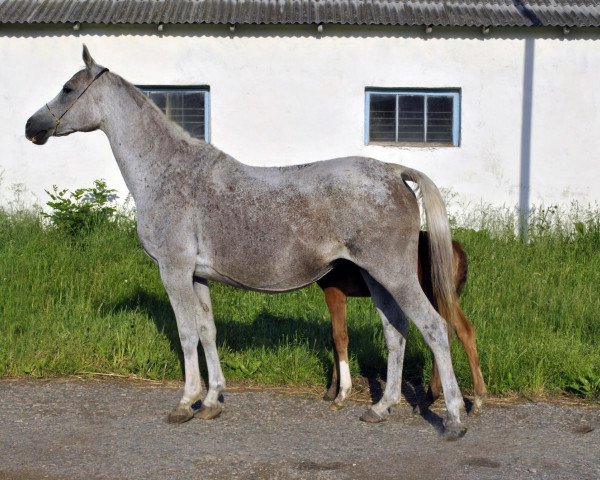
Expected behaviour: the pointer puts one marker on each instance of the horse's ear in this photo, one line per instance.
(87, 58)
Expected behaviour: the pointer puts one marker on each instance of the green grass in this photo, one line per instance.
(96, 304)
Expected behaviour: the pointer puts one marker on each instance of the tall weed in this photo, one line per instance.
(82, 209)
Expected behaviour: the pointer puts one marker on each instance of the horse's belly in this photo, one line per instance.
(262, 283)
(266, 271)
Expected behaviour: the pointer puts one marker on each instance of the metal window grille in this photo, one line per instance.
(189, 107)
(412, 117)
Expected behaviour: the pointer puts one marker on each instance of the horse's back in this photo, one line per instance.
(279, 228)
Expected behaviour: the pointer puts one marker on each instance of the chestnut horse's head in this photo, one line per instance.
(74, 109)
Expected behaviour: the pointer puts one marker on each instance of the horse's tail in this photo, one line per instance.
(440, 245)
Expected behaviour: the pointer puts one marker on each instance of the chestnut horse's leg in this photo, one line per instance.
(331, 392)
(465, 331)
(336, 303)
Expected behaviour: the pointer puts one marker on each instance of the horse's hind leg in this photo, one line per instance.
(336, 303)
(434, 330)
(465, 331)
(395, 328)
(211, 407)
(432, 326)
(332, 391)
(435, 384)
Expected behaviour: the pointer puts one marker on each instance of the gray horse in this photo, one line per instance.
(202, 216)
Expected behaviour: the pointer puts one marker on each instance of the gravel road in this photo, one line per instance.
(89, 429)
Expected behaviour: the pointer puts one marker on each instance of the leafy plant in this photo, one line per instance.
(81, 210)
(586, 385)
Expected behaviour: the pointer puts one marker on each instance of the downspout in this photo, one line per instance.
(525, 171)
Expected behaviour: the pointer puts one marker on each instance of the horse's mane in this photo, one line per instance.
(144, 102)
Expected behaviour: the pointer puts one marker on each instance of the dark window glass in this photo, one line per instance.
(411, 118)
(439, 119)
(382, 116)
(186, 107)
(159, 98)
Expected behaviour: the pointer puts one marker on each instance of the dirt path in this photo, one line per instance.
(88, 429)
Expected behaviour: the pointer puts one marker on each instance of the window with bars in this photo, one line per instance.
(189, 107)
(413, 117)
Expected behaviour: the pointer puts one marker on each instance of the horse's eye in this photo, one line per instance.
(66, 90)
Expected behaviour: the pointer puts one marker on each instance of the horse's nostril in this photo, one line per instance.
(28, 124)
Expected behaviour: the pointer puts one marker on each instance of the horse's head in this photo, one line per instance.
(72, 110)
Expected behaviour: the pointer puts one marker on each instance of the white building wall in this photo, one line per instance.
(287, 95)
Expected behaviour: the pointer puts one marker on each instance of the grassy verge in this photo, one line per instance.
(96, 304)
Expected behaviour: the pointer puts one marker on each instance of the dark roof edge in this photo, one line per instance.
(436, 13)
(292, 24)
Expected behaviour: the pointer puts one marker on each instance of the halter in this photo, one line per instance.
(58, 119)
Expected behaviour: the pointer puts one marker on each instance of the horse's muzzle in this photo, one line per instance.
(38, 130)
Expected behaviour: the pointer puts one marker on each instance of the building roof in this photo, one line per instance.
(460, 13)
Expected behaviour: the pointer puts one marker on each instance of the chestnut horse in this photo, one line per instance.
(346, 281)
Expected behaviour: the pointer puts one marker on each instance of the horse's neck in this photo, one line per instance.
(143, 141)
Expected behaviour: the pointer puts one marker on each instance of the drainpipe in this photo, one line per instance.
(526, 125)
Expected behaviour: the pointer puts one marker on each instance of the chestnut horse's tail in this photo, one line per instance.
(440, 244)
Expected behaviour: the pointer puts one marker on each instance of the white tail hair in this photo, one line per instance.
(440, 243)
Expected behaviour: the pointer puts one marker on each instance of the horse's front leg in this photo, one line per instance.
(178, 283)
(211, 406)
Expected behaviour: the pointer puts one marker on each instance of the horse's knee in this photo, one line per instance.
(207, 334)
(189, 341)
(396, 347)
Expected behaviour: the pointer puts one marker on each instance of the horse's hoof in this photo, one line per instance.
(180, 415)
(454, 431)
(208, 412)
(477, 407)
(337, 405)
(370, 416)
(330, 394)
